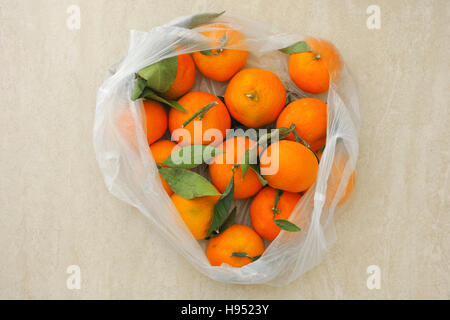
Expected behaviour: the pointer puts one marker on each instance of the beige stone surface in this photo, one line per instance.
(55, 210)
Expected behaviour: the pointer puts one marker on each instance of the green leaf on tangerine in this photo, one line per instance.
(258, 174)
(209, 53)
(300, 46)
(287, 225)
(244, 255)
(229, 221)
(191, 156)
(222, 208)
(188, 184)
(138, 89)
(151, 95)
(201, 113)
(203, 18)
(160, 75)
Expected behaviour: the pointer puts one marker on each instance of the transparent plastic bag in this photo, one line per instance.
(131, 173)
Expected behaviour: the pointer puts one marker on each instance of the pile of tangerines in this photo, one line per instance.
(254, 98)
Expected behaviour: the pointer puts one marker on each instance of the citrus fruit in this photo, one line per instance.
(217, 117)
(335, 179)
(161, 150)
(197, 213)
(221, 168)
(235, 239)
(311, 71)
(255, 97)
(309, 116)
(263, 213)
(154, 122)
(221, 64)
(185, 77)
(318, 144)
(297, 166)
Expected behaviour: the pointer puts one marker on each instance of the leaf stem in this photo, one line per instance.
(244, 255)
(201, 113)
(321, 149)
(299, 139)
(275, 210)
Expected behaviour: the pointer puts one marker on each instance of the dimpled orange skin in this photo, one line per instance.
(255, 97)
(216, 118)
(309, 116)
(161, 150)
(237, 238)
(196, 213)
(262, 215)
(221, 66)
(154, 122)
(221, 173)
(297, 166)
(311, 72)
(185, 77)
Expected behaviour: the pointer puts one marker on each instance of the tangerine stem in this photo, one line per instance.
(275, 210)
(252, 95)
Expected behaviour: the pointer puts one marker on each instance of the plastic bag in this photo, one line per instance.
(131, 173)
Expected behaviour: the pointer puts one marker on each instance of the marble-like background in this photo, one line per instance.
(55, 210)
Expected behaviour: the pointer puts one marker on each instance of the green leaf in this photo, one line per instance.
(151, 95)
(203, 18)
(160, 75)
(194, 154)
(287, 225)
(222, 208)
(250, 157)
(201, 113)
(240, 254)
(225, 225)
(282, 134)
(244, 255)
(229, 221)
(258, 174)
(188, 184)
(209, 53)
(300, 46)
(138, 89)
